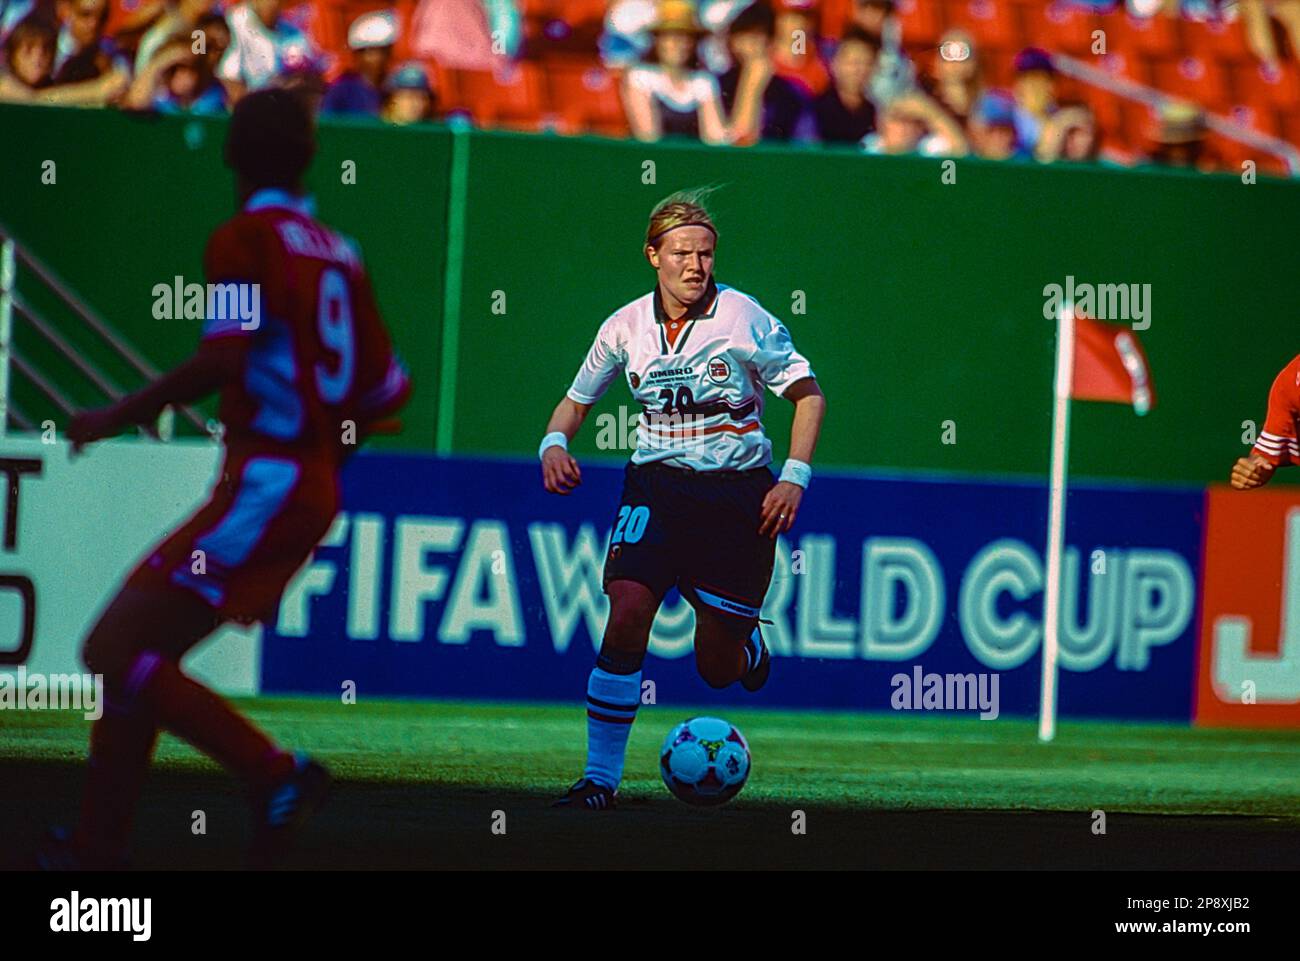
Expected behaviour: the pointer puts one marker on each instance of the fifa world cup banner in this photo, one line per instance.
(463, 578)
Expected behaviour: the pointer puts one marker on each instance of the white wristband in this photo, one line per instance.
(796, 472)
(555, 438)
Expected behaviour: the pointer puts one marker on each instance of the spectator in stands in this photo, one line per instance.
(181, 17)
(466, 34)
(759, 105)
(958, 79)
(361, 90)
(670, 95)
(83, 51)
(177, 80)
(409, 98)
(215, 31)
(30, 52)
(1259, 16)
(914, 123)
(1035, 94)
(794, 47)
(13, 12)
(626, 39)
(263, 44)
(1071, 135)
(29, 58)
(1178, 137)
(894, 74)
(844, 113)
(992, 128)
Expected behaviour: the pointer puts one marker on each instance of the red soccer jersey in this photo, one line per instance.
(1277, 441)
(318, 356)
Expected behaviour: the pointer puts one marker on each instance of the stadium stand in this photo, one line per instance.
(555, 77)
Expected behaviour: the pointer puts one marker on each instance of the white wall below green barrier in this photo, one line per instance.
(75, 527)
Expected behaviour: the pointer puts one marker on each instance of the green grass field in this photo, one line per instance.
(417, 785)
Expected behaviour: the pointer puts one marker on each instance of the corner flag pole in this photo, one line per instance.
(1056, 519)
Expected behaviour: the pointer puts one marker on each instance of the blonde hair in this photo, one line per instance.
(683, 209)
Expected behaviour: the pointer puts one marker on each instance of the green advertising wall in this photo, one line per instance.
(497, 255)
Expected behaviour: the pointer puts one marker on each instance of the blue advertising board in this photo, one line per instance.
(463, 578)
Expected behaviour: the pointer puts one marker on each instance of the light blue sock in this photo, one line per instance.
(612, 700)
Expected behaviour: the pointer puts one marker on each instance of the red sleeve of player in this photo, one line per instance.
(1277, 442)
(382, 382)
(234, 263)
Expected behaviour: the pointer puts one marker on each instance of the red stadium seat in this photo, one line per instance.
(584, 98)
(920, 22)
(993, 23)
(1223, 41)
(510, 96)
(1126, 67)
(1198, 79)
(1136, 125)
(574, 12)
(1280, 86)
(1257, 112)
(835, 17)
(1060, 27)
(1146, 37)
(1105, 106)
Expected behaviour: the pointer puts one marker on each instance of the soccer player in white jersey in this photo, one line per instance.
(700, 508)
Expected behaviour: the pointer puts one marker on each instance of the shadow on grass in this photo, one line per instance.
(424, 826)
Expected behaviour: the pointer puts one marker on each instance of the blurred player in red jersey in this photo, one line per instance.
(1277, 445)
(303, 377)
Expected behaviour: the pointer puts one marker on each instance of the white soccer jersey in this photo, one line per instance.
(701, 395)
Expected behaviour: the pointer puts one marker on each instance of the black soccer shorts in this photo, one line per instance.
(697, 530)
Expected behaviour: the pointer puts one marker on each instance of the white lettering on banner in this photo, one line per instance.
(821, 633)
(1089, 645)
(1005, 566)
(315, 579)
(1139, 600)
(1276, 678)
(1158, 600)
(500, 612)
(777, 635)
(569, 581)
(414, 584)
(365, 576)
(887, 563)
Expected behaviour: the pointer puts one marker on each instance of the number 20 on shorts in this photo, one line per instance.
(631, 525)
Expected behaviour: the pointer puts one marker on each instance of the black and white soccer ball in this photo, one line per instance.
(705, 761)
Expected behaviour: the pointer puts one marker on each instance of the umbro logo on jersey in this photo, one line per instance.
(719, 370)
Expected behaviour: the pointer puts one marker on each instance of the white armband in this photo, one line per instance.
(796, 472)
(555, 438)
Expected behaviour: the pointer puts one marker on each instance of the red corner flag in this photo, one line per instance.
(1094, 361)
(1109, 365)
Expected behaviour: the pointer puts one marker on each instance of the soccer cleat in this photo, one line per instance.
(59, 852)
(284, 808)
(589, 794)
(756, 676)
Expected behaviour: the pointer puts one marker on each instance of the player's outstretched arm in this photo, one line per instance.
(1251, 471)
(781, 505)
(560, 472)
(217, 362)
